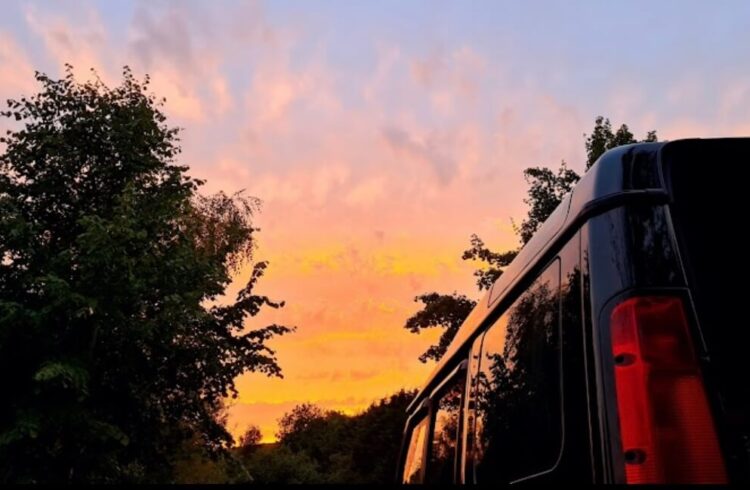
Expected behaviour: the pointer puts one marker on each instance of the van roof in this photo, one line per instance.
(619, 175)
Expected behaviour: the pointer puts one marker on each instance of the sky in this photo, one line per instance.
(381, 135)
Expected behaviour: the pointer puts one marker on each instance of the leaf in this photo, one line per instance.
(105, 431)
(65, 375)
(25, 427)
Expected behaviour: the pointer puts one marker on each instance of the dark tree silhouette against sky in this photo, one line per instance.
(113, 349)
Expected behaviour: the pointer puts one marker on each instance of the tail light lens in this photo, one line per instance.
(667, 431)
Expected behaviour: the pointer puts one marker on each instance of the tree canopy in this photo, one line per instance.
(318, 446)
(251, 437)
(116, 344)
(547, 187)
(440, 311)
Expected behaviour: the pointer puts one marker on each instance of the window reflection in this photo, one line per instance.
(415, 454)
(516, 424)
(445, 435)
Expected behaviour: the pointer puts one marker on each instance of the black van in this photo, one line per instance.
(614, 349)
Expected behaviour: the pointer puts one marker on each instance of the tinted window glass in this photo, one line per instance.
(445, 433)
(415, 453)
(471, 424)
(516, 425)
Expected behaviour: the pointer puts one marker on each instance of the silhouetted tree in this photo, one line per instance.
(441, 311)
(547, 187)
(113, 347)
(251, 437)
(277, 464)
(491, 262)
(377, 437)
(191, 464)
(329, 447)
(546, 190)
(298, 420)
(602, 139)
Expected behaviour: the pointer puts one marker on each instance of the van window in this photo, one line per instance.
(470, 412)
(515, 429)
(445, 433)
(415, 453)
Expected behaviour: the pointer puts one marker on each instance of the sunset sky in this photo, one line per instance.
(380, 135)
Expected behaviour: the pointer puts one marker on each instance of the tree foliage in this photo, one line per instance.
(112, 265)
(320, 446)
(277, 464)
(446, 311)
(191, 465)
(297, 421)
(602, 138)
(547, 188)
(491, 263)
(251, 437)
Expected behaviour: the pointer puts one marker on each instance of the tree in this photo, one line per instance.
(277, 464)
(192, 465)
(298, 420)
(491, 262)
(377, 437)
(111, 273)
(547, 188)
(602, 139)
(330, 447)
(251, 436)
(442, 311)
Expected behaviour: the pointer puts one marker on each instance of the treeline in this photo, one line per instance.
(314, 446)
(317, 446)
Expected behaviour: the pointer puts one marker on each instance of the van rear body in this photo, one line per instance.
(612, 349)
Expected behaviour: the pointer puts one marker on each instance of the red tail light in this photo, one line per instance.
(666, 427)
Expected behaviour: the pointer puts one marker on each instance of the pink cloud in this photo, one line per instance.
(80, 44)
(368, 192)
(430, 149)
(16, 76)
(387, 60)
(735, 97)
(16, 70)
(458, 70)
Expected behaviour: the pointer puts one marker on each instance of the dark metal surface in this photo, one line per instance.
(616, 236)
